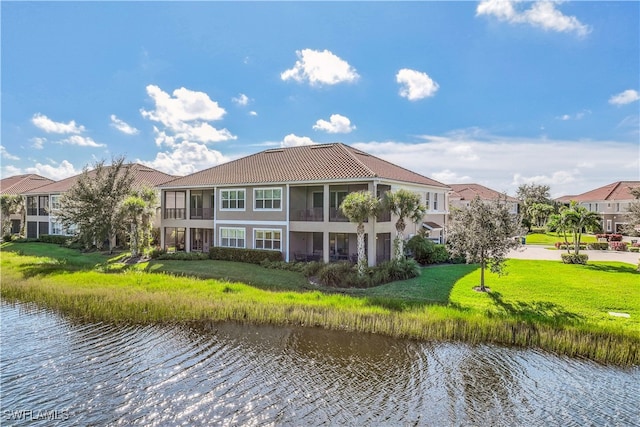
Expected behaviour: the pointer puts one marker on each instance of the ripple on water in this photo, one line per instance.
(230, 374)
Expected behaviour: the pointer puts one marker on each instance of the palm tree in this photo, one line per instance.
(359, 207)
(404, 204)
(134, 208)
(578, 219)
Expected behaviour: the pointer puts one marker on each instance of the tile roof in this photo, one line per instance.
(142, 176)
(470, 191)
(319, 162)
(19, 184)
(619, 190)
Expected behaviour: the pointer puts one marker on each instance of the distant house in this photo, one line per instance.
(43, 203)
(288, 199)
(462, 194)
(611, 202)
(17, 185)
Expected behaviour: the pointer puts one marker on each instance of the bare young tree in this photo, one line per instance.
(484, 233)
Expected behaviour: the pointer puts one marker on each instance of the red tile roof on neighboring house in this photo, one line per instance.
(320, 162)
(471, 191)
(619, 190)
(19, 184)
(142, 176)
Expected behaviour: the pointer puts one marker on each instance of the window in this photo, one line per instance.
(268, 198)
(318, 199)
(609, 225)
(268, 239)
(232, 199)
(55, 202)
(174, 239)
(427, 200)
(175, 204)
(201, 205)
(56, 227)
(232, 237)
(435, 201)
(43, 204)
(32, 205)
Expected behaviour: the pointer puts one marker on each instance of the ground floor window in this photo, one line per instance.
(232, 237)
(174, 239)
(268, 239)
(56, 228)
(32, 229)
(15, 226)
(43, 228)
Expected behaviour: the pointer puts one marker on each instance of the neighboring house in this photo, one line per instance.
(462, 194)
(43, 203)
(611, 202)
(20, 184)
(287, 199)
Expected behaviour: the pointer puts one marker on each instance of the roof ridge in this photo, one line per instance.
(351, 154)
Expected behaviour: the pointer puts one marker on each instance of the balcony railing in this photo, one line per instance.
(175, 213)
(32, 211)
(314, 214)
(201, 213)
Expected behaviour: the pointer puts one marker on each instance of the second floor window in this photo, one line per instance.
(232, 199)
(175, 205)
(55, 202)
(268, 198)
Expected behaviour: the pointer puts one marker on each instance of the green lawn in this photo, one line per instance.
(551, 238)
(559, 307)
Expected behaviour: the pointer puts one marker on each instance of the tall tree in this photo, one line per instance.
(579, 219)
(10, 204)
(359, 207)
(632, 216)
(150, 198)
(404, 204)
(134, 208)
(93, 206)
(529, 195)
(538, 213)
(483, 233)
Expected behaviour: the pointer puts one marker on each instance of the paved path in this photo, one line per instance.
(541, 252)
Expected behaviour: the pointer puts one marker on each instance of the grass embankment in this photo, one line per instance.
(551, 238)
(546, 304)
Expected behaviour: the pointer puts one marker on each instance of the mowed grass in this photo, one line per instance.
(546, 304)
(551, 238)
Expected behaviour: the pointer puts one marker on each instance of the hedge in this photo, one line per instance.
(603, 246)
(575, 259)
(251, 256)
(53, 238)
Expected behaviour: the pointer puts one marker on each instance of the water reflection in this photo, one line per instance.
(230, 374)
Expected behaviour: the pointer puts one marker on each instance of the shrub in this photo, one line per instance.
(598, 246)
(251, 256)
(7, 237)
(575, 259)
(52, 238)
(395, 270)
(618, 246)
(441, 254)
(615, 237)
(156, 253)
(538, 230)
(336, 274)
(184, 256)
(634, 249)
(421, 249)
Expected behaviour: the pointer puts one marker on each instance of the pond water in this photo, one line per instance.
(55, 371)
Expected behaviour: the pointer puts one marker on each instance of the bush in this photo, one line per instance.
(634, 249)
(562, 245)
(7, 237)
(611, 237)
(251, 256)
(441, 254)
(538, 230)
(394, 270)
(425, 251)
(184, 256)
(336, 274)
(156, 253)
(52, 238)
(618, 246)
(598, 246)
(575, 259)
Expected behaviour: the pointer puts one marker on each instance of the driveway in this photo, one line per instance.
(541, 252)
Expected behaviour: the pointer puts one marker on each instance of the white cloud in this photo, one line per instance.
(320, 68)
(241, 100)
(542, 14)
(38, 143)
(576, 116)
(123, 126)
(6, 155)
(81, 141)
(502, 163)
(626, 97)
(336, 124)
(46, 124)
(293, 140)
(55, 171)
(253, 113)
(185, 117)
(415, 85)
(185, 158)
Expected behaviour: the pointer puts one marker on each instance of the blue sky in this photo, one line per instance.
(495, 92)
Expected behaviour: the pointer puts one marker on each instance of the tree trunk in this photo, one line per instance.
(362, 260)
(399, 246)
(482, 266)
